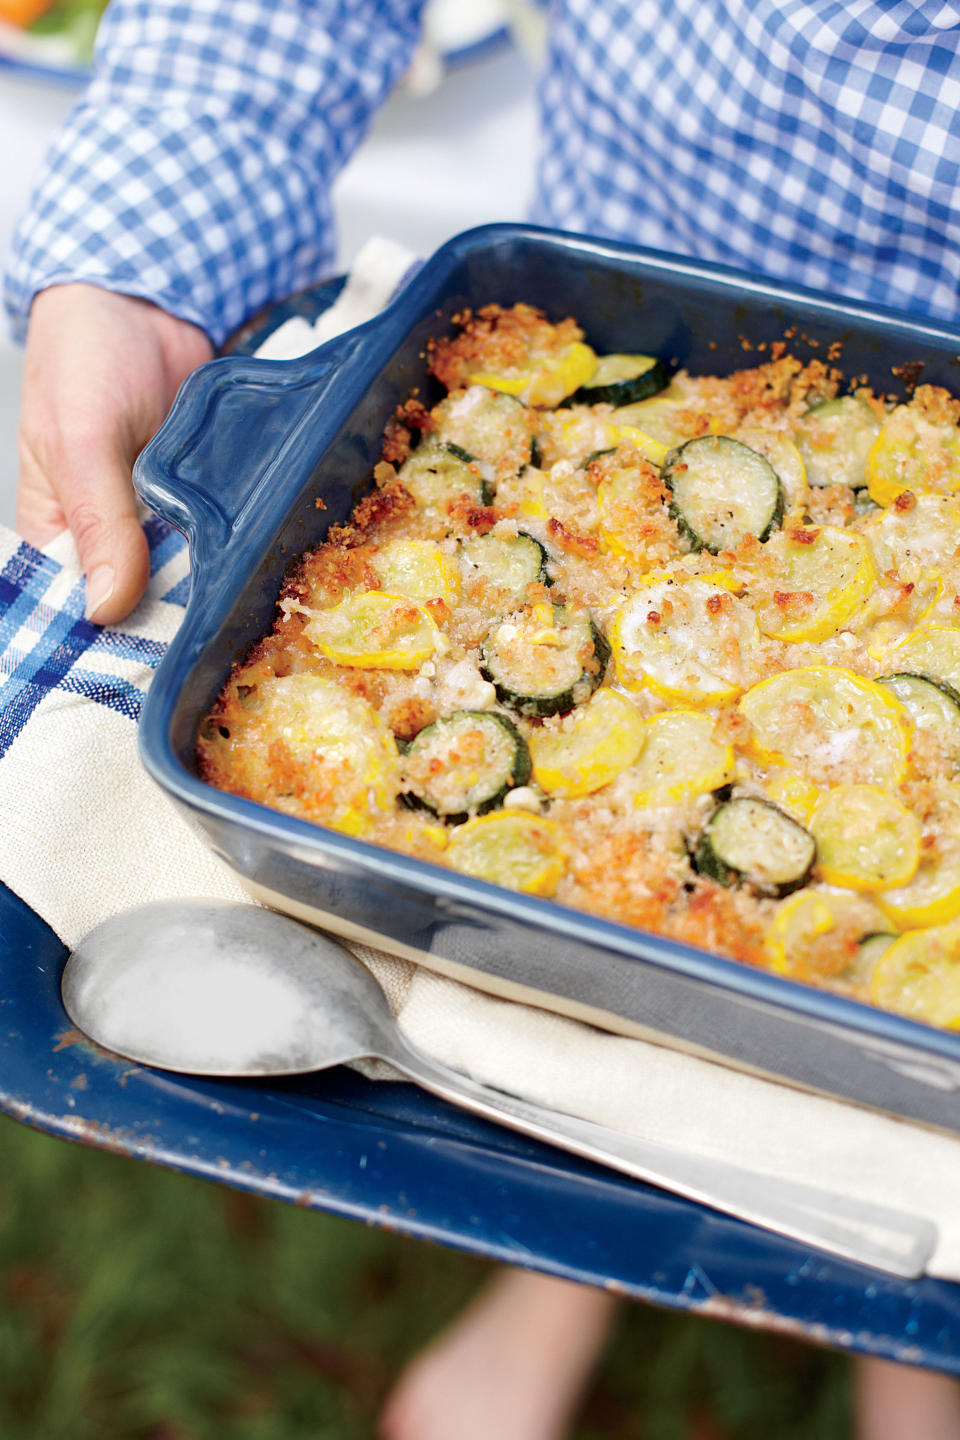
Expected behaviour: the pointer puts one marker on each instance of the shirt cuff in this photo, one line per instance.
(205, 217)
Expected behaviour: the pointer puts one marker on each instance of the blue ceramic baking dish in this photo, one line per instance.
(239, 465)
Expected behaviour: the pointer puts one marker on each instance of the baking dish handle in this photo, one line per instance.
(199, 472)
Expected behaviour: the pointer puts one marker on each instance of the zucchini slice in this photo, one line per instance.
(465, 763)
(440, 473)
(458, 451)
(488, 425)
(785, 458)
(596, 454)
(752, 842)
(508, 563)
(834, 439)
(722, 491)
(931, 704)
(870, 952)
(545, 661)
(621, 380)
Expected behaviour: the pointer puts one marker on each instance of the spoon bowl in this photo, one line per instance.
(210, 988)
(218, 989)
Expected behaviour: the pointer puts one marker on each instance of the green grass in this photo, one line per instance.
(141, 1305)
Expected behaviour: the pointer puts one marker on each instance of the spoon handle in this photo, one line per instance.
(870, 1234)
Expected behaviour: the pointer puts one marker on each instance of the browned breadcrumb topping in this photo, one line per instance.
(499, 340)
(831, 504)
(624, 878)
(381, 509)
(937, 405)
(572, 540)
(412, 417)
(909, 373)
(495, 528)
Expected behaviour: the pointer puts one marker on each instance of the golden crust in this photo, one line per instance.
(495, 339)
(605, 520)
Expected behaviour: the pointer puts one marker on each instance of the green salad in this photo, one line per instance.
(58, 34)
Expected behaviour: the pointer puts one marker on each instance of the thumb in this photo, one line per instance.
(84, 484)
(99, 373)
(100, 508)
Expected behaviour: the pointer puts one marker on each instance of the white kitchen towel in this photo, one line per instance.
(85, 833)
(380, 269)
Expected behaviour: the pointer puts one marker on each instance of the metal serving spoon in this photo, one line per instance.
(209, 988)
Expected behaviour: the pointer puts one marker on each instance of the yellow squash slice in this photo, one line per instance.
(508, 847)
(573, 435)
(336, 751)
(896, 608)
(829, 724)
(919, 976)
(913, 453)
(684, 638)
(823, 577)
(680, 758)
(579, 433)
(424, 838)
(785, 458)
(931, 897)
(418, 569)
(545, 384)
(664, 418)
(589, 748)
(866, 839)
(622, 507)
(649, 446)
(924, 533)
(816, 934)
(375, 631)
(931, 650)
(792, 792)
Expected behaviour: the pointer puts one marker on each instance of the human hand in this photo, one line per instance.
(100, 373)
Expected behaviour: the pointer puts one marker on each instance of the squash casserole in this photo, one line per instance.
(681, 651)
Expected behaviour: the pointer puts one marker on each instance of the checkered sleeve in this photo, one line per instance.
(196, 170)
(807, 140)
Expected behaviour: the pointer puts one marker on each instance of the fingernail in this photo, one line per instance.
(100, 586)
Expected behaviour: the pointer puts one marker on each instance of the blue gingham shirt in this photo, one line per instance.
(814, 140)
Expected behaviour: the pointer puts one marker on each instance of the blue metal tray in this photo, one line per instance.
(389, 1155)
(239, 465)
